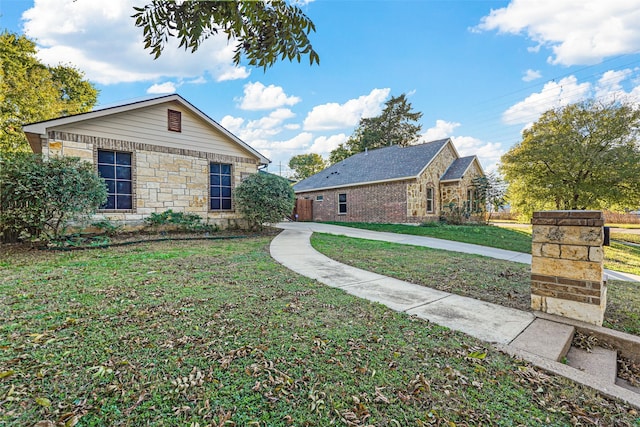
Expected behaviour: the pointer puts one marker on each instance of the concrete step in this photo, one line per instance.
(600, 362)
(627, 385)
(545, 338)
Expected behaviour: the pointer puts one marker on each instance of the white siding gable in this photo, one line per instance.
(148, 125)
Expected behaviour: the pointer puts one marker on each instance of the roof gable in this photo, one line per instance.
(41, 128)
(458, 168)
(383, 164)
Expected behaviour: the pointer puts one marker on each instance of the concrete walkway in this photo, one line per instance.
(430, 242)
(486, 321)
(516, 332)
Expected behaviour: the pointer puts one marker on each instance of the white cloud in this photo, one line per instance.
(232, 124)
(441, 130)
(260, 129)
(552, 95)
(200, 80)
(101, 38)
(337, 116)
(488, 153)
(323, 145)
(260, 97)
(272, 121)
(609, 87)
(577, 31)
(160, 88)
(300, 141)
(531, 75)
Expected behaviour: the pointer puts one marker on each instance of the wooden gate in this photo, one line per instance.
(303, 210)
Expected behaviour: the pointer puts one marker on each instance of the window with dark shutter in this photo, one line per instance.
(174, 121)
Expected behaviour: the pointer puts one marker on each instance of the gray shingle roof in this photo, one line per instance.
(457, 169)
(382, 164)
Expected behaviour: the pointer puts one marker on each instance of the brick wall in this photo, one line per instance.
(566, 269)
(384, 202)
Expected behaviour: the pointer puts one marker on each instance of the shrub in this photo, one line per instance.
(39, 197)
(264, 198)
(458, 215)
(179, 220)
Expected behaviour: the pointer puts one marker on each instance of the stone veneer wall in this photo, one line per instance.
(456, 192)
(163, 177)
(566, 271)
(430, 178)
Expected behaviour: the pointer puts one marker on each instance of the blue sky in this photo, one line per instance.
(479, 71)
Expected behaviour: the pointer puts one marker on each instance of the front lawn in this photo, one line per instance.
(620, 256)
(216, 333)
(501, 282)
(496, 237)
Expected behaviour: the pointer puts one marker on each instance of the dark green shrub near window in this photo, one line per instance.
(264, 198)
(180, 220)
(39, 197)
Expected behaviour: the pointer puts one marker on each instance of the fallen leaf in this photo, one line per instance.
(5, 374)
(43, 401)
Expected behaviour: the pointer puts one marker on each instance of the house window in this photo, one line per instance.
(174, 120)
(220, 186)
(115, 168)
(430, 200)
(472, 203)
(319, 198)
(342, 203)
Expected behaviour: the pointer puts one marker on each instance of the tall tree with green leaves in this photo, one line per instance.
(31, 91)
(396, 125)
(263, 31)
(305, 165)
(582, 156)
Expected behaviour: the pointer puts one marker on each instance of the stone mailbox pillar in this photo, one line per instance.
(566, 269)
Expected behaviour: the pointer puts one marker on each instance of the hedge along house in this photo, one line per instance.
(392, 184)
(154, 155)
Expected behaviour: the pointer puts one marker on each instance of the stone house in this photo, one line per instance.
(392, 184)
(154, 155)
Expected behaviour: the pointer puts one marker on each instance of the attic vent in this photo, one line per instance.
(174, 120)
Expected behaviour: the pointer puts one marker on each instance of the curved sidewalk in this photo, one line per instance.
(516, 332)
(486, 321)
(430, 242)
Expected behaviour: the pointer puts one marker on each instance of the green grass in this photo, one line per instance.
(618, 256)
(497, 237)
(500, 282)
(216, 333)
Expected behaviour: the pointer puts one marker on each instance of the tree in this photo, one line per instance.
(264, 198)
(39, 197)
(582, 156)
(396, 125)
(31, 92)
(305, 165)
(490, 190)
(264, 31)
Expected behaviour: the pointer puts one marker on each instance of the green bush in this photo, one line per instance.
(264, 198)
(39, 197)
(179, 220)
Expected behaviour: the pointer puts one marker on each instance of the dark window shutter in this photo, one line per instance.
(174, 121)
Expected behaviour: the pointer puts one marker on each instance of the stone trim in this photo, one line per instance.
(121, 145)
(568, 221)
(584, 291)
(574, 218)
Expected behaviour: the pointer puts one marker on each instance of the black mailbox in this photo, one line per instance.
(606, 237)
